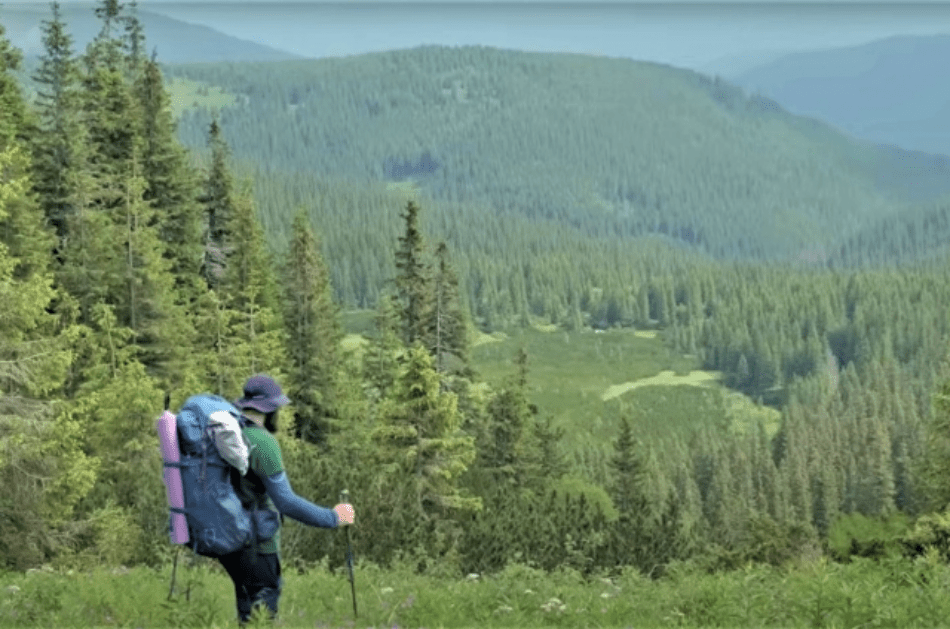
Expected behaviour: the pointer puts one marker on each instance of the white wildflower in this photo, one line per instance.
(13, 589)
(554, 603)
(504, 609)
(472, 576)
(386, 590)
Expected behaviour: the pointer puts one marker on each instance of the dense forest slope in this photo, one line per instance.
(608, 146)
(172, 40)
(883, 91)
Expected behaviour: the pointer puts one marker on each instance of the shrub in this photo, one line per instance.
(857, 535)
(930, 533)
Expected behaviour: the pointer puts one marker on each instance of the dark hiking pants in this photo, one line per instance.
(256, 580)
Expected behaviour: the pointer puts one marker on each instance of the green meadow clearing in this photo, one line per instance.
(585, 380)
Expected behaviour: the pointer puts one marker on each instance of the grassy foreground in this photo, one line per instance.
(889, 593)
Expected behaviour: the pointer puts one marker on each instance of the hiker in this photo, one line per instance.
(265, 490)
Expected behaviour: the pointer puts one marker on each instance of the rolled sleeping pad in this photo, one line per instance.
(168, 437)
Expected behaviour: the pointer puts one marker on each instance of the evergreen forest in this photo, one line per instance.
(450, 195)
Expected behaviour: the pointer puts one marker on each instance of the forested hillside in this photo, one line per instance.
(127, 271)
(608, 146)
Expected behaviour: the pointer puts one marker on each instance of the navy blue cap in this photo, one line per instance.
(262, 394)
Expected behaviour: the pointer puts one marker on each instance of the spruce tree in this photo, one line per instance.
(16, 117)
(419, 436)
(106, 48)
(314, 334)
(171, 188)
(218, 202)
(629, 467)
(505, 446)
(249, 287)
(60, 137)
(133, 40)
(446, 328)
(412, 279)
(384, 351)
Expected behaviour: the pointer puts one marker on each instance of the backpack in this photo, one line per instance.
(217, 523)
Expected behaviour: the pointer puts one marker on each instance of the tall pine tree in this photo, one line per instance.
(412, 278)
(218, 201)
(314, 334)
(446, 327)
(58, 146)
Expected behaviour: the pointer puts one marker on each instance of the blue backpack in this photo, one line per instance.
(218, 524)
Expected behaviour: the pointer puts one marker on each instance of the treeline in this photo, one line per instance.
(127, 273)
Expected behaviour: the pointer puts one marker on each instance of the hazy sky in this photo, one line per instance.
(704, 35)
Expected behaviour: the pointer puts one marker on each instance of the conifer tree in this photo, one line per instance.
(41, 453)
(218, 201)
(133, 39)
(112, 118)
(106, 48)
(60, 136)
(16, 117)
(629, 468)
(419, 436)
(640, 536)
(505, 449)
(933, 469)
(314, 334)
(446, 328)
(548, 459)
(222, 365)
(248, 287)
(171, 189)
(412, 279)
(385, 349)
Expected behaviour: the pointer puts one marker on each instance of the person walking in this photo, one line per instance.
(265, 491)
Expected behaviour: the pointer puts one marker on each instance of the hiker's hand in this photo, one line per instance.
(345, 513)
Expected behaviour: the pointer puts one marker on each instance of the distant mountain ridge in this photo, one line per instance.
(172, 40)
(891, 91)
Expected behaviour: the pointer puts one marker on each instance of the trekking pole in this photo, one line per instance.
(345, 499)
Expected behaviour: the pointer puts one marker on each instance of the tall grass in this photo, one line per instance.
(896, 592)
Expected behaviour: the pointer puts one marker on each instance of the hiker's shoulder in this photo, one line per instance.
(265, 446)
(257, 434)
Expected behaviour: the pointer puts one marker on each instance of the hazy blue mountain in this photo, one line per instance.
(175, 41)
(892, 91)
